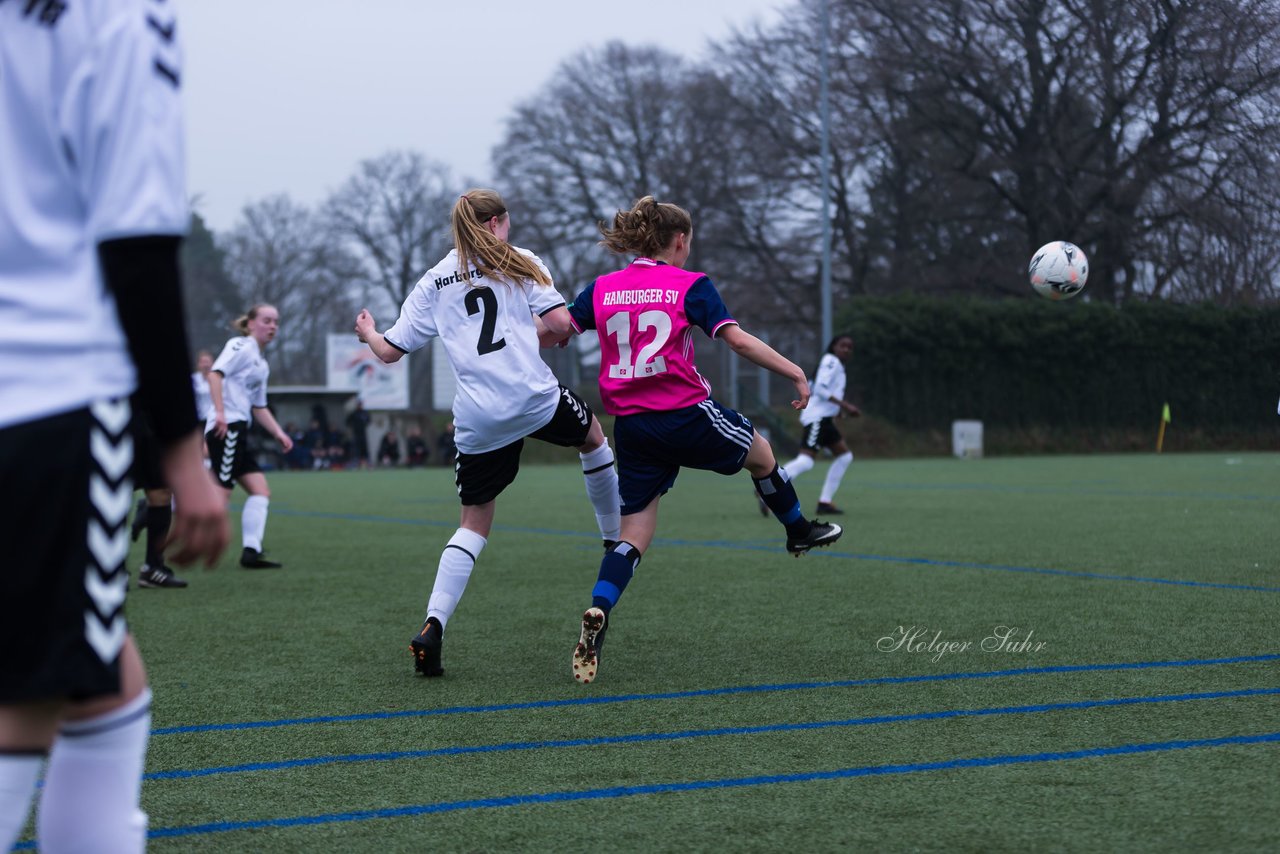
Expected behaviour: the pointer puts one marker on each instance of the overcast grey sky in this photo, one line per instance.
(288, 96)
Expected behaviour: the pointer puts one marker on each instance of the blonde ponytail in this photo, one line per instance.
(241, 323)
(477, 246)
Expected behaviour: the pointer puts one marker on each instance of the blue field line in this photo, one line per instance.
(685, 735)
(1057, 490)
(713, 692)
(703, 785)
(775, 546)
(963, 564)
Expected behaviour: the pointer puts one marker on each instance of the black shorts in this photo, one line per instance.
(820, 434)
(63, 580)
(230, 457)
(482, 477)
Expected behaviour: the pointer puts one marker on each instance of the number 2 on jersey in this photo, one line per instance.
(489, 322)
(646, 364)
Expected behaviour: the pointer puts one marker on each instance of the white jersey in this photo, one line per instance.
(204, 402)
(827, 384)
(91, 149)
(505, 390)
(244, 380)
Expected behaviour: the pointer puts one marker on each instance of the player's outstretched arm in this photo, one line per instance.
(367, 329)
(759, 353)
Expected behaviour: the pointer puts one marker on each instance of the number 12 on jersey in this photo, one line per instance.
(646, 364)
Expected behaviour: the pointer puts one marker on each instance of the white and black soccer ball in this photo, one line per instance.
(1059, 270)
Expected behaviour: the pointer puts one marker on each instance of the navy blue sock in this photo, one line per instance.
(616, 568)
(776, 491)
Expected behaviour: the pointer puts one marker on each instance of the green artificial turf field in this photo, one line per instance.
(747, 700)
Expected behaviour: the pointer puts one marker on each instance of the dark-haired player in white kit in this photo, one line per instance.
(481, 301)
(818, 419)
(92, 210)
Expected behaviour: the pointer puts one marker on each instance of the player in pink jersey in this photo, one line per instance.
(481, 301)
(645, 315)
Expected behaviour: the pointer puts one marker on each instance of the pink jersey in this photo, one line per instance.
(645, 316)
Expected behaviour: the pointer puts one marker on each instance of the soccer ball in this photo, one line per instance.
(1059, 270)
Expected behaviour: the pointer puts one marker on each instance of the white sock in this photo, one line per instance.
(92, 789)
(801, 464)
(18, 775)
(253, 521)
(456, 562)
(602, 488)
(834, 475)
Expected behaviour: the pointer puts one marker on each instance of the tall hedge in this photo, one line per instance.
(922, 362)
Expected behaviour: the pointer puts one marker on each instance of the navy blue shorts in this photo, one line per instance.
(653, 446)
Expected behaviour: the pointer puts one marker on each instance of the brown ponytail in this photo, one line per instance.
(647, 229)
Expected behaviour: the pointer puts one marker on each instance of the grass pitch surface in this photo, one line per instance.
(1069, 653)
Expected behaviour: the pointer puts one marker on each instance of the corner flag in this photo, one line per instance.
(1164, 419)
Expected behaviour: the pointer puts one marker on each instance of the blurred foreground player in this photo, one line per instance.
(92, 209)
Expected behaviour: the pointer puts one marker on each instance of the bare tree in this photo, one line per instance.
(1107, 123)
(211, 299)
(614, 124)
(280, 253)
(393, 215)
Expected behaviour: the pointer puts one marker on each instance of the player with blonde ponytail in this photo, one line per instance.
(481, 300)
(237, 392)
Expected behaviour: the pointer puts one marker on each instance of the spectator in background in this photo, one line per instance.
(321, 417)
(444, 444)
(299, 456)
(358, 424)
(317, 443)
(389, 449)
(416, 451)
(339, 451)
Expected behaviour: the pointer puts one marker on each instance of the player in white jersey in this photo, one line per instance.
(238, 391)
(818, 420)
(92, 211)
(481, 300)
(154, 511)
(200, 384)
